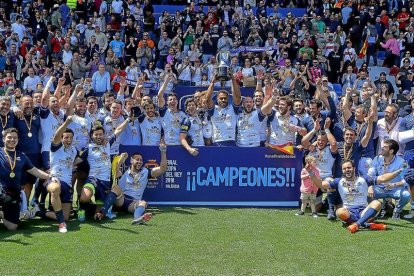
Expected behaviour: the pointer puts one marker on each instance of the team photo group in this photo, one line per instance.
(80, 79)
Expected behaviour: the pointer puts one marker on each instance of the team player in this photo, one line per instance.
(283, 125)
(150, 125)
(326, 153)
(389, 161)
(12, 164)
(111, 122)
(249, 125)
(191, 132)
(224, 117)
(170, 114)
(62, 159)
(6, 117)
(28, 128)
(356, 212)
(98, 155)
(127, 195)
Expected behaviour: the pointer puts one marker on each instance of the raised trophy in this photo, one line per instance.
(223, 68)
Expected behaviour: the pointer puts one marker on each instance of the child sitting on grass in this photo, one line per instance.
(307, 189)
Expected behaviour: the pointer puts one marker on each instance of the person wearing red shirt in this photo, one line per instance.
(116, 78)
(402, 18)
(384, 18)
(57, 44)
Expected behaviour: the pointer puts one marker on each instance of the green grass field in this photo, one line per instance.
(201, 241)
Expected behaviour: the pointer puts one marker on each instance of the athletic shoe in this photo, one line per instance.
(25, 215)
(315, 215)
(378, 226)
(81, 215)
(331, 215)
(34, 211)
(62, 228)
(396, 215)
(300, 213)
(382, 213)
(410, 215)
(353, 228)
(142, 219)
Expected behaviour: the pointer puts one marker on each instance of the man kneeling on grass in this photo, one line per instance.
(356, 212)
(127, 195)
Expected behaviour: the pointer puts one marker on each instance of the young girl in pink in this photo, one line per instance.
(307, 189)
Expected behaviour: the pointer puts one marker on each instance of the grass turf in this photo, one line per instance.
(201, 241)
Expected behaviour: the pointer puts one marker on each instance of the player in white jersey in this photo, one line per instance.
(326, 157)
(80, 126)
(389, 127)
(127, 195)
(150, 124)
(98, 156)
(249, 124)
(191, 132)
(63, 156)
(92, 113)
(283, 125)
(224, 117)
(259, 98)
(356, 212)
(171, 116)
(111, 122)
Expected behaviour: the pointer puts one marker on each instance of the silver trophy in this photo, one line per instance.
(223, 68)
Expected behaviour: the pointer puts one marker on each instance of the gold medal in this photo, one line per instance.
(3, 124)
(29, 125)
(12, 163)
(3, 132)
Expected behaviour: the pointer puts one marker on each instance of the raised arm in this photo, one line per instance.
(119, 164)
(161, 100)
(59, 132)
(121, 127)
(210, 91)
(347, 113)
(367, 136)
(157, 171)
(46, 92)
(235, 90)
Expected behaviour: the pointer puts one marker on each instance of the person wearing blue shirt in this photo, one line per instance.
(396, 188)
(356, 211)
(101, 81)
(117, 46)
(12, 165)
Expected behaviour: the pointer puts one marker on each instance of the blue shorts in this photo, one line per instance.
(36, 160)
(46, 160)
(100, 187)
(355, 212)
(127, 201)
(11, 212)
(65, 191)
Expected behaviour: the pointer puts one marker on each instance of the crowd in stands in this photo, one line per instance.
(335, 81)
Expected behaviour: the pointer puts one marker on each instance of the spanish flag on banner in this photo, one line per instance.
(363, 51)
(286, 148)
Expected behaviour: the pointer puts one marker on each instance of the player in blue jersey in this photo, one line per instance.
(127, 195)
(12, 165)
(396, 189)
(356, 212)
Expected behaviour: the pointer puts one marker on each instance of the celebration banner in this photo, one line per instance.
(223, 176)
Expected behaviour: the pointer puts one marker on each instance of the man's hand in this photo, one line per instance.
(193, 151)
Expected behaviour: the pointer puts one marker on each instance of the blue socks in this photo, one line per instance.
(59, 216)
(109, 201)
(370, 213)
(139, 211)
